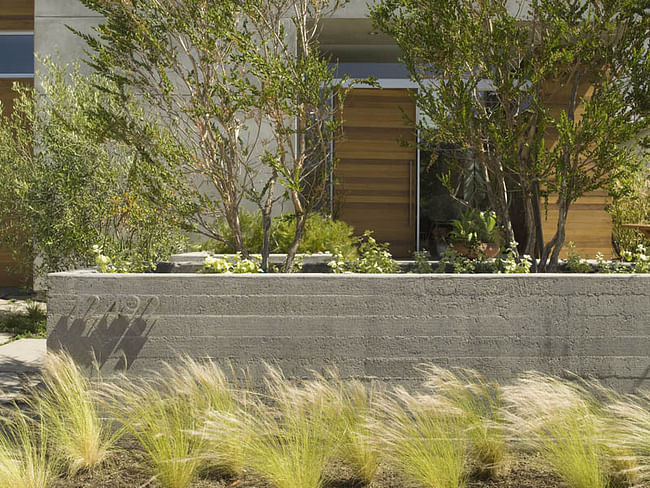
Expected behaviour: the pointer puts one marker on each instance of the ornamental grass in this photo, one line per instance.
(24, 461)
(423, 437)
(481, 404)
(559, 420)
(167, 415)
(79, 435)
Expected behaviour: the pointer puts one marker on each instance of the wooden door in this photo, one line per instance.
(9, 278)
(375, 178)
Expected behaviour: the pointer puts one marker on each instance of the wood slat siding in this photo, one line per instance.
(17, 15)
(589, 225)
(373, 187)
(8, 279)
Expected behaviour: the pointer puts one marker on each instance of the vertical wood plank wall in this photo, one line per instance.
(376, 175)
(15, 15)
(589, 225)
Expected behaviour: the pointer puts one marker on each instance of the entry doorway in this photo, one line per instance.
(375, 180)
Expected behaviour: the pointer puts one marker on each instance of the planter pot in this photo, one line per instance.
(488, 249)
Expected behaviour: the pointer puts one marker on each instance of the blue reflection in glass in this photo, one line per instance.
(16, 55)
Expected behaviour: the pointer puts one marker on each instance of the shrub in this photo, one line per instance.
(424, 438)
(374, 258)
(475, 227)
(574, 263)
(251, 230)
(79, 188)
(234, 264)
(322, 234)
(631, 207)
(559, 421)
(422, 264)
(480, 403)
(81, 438)
(513, 264)
(31, 323)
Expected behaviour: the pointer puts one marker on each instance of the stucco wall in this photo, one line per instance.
(379, 326)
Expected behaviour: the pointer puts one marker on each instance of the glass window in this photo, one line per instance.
(16, 55)
(376, 70)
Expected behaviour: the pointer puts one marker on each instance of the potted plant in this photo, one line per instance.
(476, 234)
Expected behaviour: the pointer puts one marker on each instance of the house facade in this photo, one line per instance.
(16, 66)
(380, 183)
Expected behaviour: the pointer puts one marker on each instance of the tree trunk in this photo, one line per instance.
(267, 222)
(561, 235)
(503, 210)
(232, 217)
(530, 218)
(301, 220)
(554, 246)
(539, 229)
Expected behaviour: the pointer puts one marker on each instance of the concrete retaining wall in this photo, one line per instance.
(378, 326)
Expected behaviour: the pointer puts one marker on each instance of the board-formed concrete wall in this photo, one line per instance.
(369, 326)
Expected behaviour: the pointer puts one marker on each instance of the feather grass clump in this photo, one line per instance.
(560, 421)
(349, 407)
(285, 436)
(167, 416)
(82, 438)
(629, 429)
(424, 438)
(24, 461)
(480, 402)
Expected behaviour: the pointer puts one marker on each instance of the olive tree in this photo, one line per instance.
(65, 187)
(488, 71)
(244, 90)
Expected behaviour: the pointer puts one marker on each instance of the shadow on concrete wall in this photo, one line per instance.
(118, 338)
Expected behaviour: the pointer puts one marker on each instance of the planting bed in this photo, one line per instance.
(129, 470)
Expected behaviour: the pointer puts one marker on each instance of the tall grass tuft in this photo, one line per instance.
(285, 437)
(559, 420)
(349, 407)
(167, 416)
(423, 437)
(207, 387)
(24, 462)
(82, 439)
(630, 437)
(480, 402)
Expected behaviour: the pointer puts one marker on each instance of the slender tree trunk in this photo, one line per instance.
(497, 194)
(502, 208)
(552, 249)
(529, 216)
(232, 217)
(301, 220)
(539, 229)
(561, 235)
(554, 246)
(267, 221)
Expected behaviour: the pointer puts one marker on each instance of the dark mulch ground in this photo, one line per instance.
(128, 469)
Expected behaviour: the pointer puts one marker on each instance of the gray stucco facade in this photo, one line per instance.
(369, 326)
